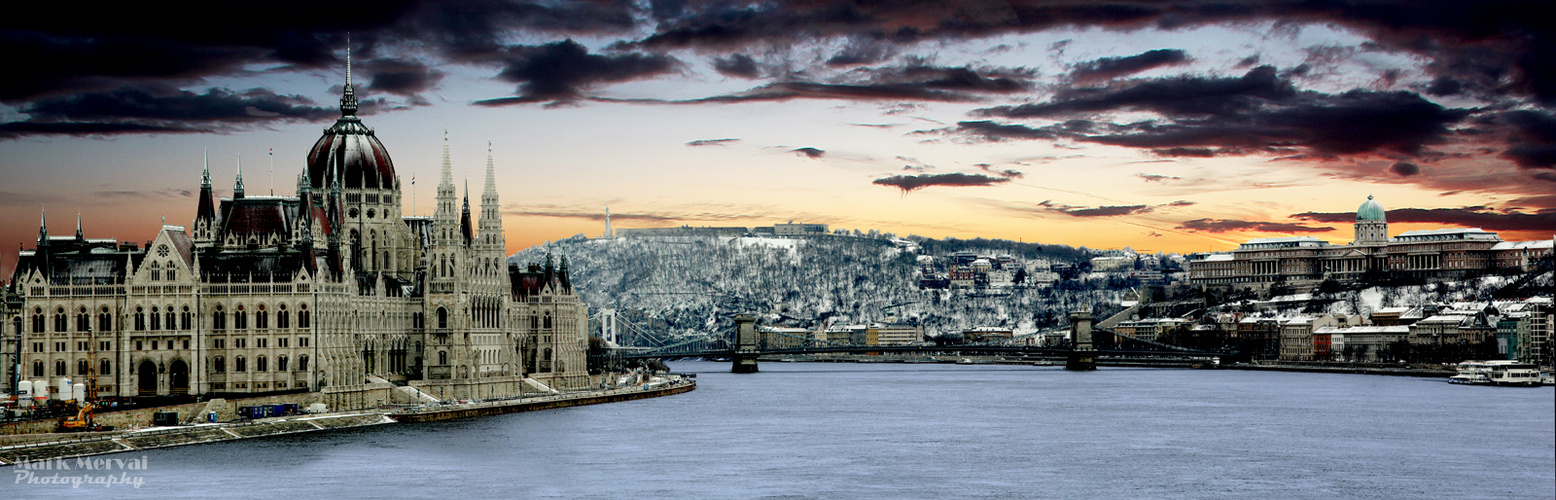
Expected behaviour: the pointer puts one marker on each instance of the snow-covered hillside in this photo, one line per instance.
(693, 285)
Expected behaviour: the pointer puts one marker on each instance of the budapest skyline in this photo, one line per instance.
(1177, 127)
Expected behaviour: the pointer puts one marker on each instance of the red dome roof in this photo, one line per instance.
(353, 149)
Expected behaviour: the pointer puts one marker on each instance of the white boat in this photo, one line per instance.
(1497, 372)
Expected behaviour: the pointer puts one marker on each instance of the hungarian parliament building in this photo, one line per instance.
(332, 291)
(1426, 254)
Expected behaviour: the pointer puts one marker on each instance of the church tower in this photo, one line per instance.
(205, 213)
(1371, 226)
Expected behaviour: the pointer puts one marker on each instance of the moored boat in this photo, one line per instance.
(1497, 372)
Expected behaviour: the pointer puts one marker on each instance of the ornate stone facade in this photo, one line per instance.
(332, 290)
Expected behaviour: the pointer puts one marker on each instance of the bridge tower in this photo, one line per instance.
(608, 327)
(745, 344)
(1082, 353)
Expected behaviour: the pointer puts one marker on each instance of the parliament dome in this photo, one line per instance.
(354, 149)
(1371, 210)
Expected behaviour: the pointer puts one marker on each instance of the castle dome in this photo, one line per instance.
(353, 148)
(1371, 210)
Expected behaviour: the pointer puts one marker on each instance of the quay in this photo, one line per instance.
(39, 447)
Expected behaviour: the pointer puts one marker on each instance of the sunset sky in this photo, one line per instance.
(1163, 126)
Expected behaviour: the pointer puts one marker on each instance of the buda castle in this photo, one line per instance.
(333, 291)
(1425, 254)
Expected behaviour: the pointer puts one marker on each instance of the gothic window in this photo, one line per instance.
(104, 368)
(156, 319)
(261, 318)
(219, 319)
(82, 367)
(140, 318)
(37, 368)
(302, 363)
(442, 357)
(156, 272)
(240, 319)
(283, 318)
(442, 318)
(534, 322)
(170, 317)
(104, 320)
(184, 319)
(239, 364)
(280, 363)
(259, 364)
(547, 321)
(171, 274)
(219, 365)
(302, 316)
(37, 320)
(83, 321)
(59, 368)
(59, 319)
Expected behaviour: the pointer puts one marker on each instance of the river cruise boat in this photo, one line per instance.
(1505, 373)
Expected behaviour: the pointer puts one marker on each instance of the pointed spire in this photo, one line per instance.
(237, 189)
(348, 98)
(205, 178)
(78, 226)
(43, 225)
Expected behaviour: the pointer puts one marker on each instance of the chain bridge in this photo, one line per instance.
(746, 343)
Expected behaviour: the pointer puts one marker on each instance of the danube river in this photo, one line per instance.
(838, 430)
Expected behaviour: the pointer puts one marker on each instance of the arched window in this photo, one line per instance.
(547, 320)
(170, 317)
(37, 320)
(59, 368)
(239, 364)
(442, 318)
(184, 319)
(260, 364)
(219, 365)
(302, 316)
(140, 318)
(302, 363)
(156, 272)
(104, 368)
(280, 363)
(219, 319)
(240, 319)
(443, 357)
(82, 368)
(262, 318)
(37, 368)
(156, 319)
(534, 322)
(59, 319)
(83, 320)
(283, 317)
(104, 320)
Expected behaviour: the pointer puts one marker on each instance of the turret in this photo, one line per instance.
(205, 209)
(237, 188)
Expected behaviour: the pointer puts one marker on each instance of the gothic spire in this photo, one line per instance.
(205, 177)
(43, 225)
(79, 236)
(348, 99)
(237, 189)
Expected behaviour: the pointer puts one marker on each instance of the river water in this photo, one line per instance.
(841, 430)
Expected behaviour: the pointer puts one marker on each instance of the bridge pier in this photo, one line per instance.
(1082, 352)
(744, 358)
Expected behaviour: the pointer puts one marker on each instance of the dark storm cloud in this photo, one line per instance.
(1113, 67)
(560, 71)
(993, 131)
(400, 76)
(866, 50)
(737, 65)
(908, 183)
(160, 110)
(809, 152)
(1481, 217)
(1532, 141)
(710, 142)
(784, 91)
(1225, 225)
(1405, 169)
(1259, 111)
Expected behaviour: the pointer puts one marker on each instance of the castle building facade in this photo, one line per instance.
(1426, 254)
(333, 290)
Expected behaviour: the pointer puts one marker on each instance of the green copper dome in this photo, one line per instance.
(1370, 210)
